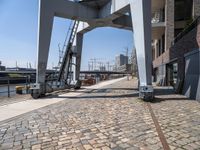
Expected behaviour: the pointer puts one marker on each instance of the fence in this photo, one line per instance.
(7, 83)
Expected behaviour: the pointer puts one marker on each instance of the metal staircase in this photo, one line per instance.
(65, 62)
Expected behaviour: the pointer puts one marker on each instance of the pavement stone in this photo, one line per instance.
(179, 119)
(111, 117)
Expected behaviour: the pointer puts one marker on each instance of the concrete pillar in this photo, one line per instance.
(169, 20)
(196, 8)
(141, 19)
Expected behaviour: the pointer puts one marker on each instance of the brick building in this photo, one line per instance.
(175, 35)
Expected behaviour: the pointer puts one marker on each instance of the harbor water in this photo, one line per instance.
(4, 90)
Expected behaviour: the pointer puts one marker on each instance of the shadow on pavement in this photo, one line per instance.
(126, 89)
(103, 90)
(90, 93)
(168, 94)
(164, 91)
(97, 96)
(158, 100)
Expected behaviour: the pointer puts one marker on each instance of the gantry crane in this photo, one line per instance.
(134, 15)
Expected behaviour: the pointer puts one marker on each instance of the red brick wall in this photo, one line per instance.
(184, 45)
(187, 43)
(162, 59)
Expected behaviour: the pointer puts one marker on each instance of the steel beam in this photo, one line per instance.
(45, 23)
(47, 10)
(71, 10)
(116, 13)
(79, 45)
(141, 18)
(124, 22)
(115, 9)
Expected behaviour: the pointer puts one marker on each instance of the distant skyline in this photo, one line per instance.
(18, 37)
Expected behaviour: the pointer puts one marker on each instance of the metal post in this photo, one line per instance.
(8, 87)
(26, 84)
(46, 16)
(79, 45)
(142, 35)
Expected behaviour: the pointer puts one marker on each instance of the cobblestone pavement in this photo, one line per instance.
(179, 119)
(108, 118)
(13, 99)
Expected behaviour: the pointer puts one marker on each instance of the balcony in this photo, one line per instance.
(158, 18)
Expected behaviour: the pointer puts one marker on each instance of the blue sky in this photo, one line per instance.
(18, 37)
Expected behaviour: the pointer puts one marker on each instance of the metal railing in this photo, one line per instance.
(7, 83)
(189, 28)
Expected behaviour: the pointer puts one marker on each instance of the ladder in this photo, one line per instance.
(66, 63)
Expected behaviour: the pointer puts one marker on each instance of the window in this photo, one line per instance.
(183, 10)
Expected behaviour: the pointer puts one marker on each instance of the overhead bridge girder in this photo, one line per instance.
(127, 14)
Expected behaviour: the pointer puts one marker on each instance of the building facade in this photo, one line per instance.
(175, 32)
(121, 60)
